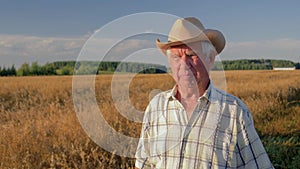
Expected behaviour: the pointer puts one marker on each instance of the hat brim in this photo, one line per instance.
(215, 37)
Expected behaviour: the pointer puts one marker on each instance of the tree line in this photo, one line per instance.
(90, 67)
(81, 68)
(253, 64)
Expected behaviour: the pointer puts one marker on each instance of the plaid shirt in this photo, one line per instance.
(219, 134)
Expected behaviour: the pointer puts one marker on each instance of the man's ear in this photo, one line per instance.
(212, 56)
(211, 59)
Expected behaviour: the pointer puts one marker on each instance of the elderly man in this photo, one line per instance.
(196, 125)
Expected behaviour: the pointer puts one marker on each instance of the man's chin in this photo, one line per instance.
(187, 83)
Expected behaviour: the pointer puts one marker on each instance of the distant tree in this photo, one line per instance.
(282, 63)
(49, 69)
(23, 70)
(87, 68)
(65, 71)
(297, 65)
(218, 66)
(13, 71)
(255, 64)
(35, 69)
(3, 72)
(8, 71)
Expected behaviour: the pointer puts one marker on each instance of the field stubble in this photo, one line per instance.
(39, 127)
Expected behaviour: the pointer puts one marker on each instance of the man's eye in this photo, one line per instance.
(175, 57)
(191, 55)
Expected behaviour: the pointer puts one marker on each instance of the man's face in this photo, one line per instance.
(188, 64)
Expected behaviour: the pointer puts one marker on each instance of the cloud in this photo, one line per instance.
(288, 49)
(17, 49)
(111, 49)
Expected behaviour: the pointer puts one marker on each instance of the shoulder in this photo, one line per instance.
(232, 106)
(228, 99)
(161, 97)
(157, 105)
(159, 101)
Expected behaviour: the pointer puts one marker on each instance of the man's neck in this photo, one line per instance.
(188, 96)
(192, 92)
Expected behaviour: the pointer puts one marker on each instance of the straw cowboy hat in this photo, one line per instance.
(190, 30)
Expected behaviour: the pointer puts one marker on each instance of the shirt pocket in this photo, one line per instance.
(222, 146)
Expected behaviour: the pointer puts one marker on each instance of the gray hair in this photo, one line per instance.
(207, 48)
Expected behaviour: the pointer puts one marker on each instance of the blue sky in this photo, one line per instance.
(43, 31)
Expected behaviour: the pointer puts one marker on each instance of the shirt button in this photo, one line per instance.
(209, 164)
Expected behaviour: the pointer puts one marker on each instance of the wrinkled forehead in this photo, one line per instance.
(191, 48)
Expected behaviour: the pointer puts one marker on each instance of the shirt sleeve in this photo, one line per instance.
(251, 153)
(142, 153)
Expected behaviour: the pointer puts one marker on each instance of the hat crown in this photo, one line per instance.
(190, 30)
(184, 29)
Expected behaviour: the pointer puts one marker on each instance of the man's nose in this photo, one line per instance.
(185, 62)
(183, 58)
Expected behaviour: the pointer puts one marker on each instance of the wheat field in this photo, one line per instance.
(39, 127)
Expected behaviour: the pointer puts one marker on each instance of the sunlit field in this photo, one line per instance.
(39, 127)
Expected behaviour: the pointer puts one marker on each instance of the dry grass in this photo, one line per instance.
(39, 127)
(266, 94)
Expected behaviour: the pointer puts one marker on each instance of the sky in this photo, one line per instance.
(50, 30)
